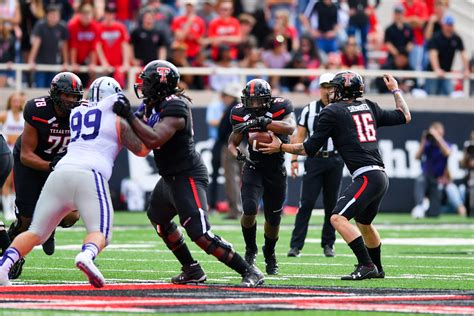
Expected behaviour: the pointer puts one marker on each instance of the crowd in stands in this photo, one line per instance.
(331, 34)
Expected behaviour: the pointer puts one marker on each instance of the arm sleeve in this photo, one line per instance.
(387, 118)
(323, 131)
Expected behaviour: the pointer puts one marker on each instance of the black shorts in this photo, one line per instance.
(28, 185)
(183, 195)
(361, 199)
(266, 184)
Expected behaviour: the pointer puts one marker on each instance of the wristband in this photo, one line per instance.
(395, 91)
(280, 147)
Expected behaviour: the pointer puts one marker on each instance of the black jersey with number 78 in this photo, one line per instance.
(53, 132)
(352, 126)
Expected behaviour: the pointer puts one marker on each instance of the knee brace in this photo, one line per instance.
(171, 235)
(273, 217)
(70, 219)
(216, 246)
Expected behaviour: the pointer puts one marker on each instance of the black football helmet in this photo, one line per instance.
(347, 85)
(159, 79)
(66, 83)
(257, 95)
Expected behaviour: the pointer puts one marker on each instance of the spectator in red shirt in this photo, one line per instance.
(224, 30)
(127, 11)
(351, 56)
(83, 36)
(189, 29)
(112, 47)
(416, 14)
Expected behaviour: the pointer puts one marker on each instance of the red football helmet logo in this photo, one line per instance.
(163, 71)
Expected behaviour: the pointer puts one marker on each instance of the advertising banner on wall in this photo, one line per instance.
(135, 177)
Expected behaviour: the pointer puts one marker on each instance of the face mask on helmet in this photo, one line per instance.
(257, 104)
(67, 101)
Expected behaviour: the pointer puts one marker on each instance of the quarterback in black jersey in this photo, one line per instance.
(264, 176)
(352, 125)
(164, 124)
(43, 142)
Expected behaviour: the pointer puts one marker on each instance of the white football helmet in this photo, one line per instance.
(101, 88)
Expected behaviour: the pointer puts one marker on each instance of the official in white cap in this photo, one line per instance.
(323, 171)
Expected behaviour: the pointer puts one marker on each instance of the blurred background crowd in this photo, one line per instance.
(330, 34)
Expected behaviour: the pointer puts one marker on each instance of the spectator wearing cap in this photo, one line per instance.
(148, 43)
(224, 30)
(351, 57)
(189, 29)
(399, 62)
(65, 8)
(49, 45)
(433, 25)
(326, 14)
(416, 15)
(323, 171)
(83, 36)
(112, 47)
(442, 49)
(398, 35)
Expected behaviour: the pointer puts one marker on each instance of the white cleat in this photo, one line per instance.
(4, 281)
(86, 265)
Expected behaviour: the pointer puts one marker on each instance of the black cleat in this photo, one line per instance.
(49, 245)
(250, 256)
(329, 251)
(380, 275)
(190, 274)
(293, 252)
(362, 272)
(271, 264)
(16, 269)
(253, 277)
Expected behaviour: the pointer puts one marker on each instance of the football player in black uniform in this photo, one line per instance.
(263, 176)
(352, 125)
(43, 142)
(167, 128)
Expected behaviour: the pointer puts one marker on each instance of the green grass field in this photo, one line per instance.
(416, 254)
(137, 254)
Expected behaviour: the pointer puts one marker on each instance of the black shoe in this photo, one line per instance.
(253, 277)
(362, 272)
(48, 245)
(329, 251)
(380, 275)
(190, 274)
(271, 264)
(293, 252)
(250, 256)
(16, 269)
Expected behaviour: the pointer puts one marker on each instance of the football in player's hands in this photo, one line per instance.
(256, 138)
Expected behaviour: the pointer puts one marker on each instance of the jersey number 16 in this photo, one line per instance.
(365, 127)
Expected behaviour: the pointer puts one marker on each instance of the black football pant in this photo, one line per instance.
(325, 174)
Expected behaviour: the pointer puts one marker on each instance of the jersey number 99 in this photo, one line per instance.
(86, 126)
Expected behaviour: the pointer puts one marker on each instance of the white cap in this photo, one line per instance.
(233, 89)
(325, 78)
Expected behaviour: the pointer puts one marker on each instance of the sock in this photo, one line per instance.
(375, 256)
(5, 203)
(10, 211)
(91, 250)
(270, 244)
(237, 263)
(183, 255)
(358, 247)
(4, 239)
(9, 258)
(250, 237)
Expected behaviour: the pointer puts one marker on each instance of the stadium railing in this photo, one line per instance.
(18, 69)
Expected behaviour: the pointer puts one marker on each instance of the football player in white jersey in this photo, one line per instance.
(80, 181)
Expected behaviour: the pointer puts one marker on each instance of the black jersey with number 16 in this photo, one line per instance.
(53, 132)
(352, 126)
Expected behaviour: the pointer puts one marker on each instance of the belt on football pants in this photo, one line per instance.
(362, 170)
(326, 154)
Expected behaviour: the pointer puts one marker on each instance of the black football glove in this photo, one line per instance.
(55, 160)
(243, 158)
(123, 109)
(261, 121)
